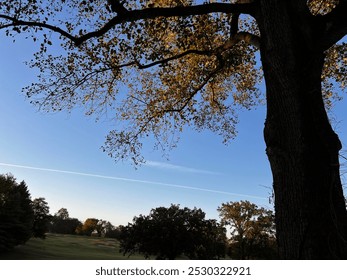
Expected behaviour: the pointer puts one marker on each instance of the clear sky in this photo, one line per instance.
(58, 155)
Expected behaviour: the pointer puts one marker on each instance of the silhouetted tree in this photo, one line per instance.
(41, 217)
(62, 214)
(63, 224)
(170, 232)
(16, 214)
(114, 233)
(105, 228)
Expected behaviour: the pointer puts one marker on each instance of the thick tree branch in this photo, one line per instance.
(335, 25)
(234, 24)
(124, 15)
(150, 13)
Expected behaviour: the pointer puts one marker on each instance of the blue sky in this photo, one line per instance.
(59, 157)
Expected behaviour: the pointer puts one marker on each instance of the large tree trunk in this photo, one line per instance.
(301, 146)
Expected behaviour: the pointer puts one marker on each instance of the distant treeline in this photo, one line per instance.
(61, 222)
(165, 233)
(22, 218)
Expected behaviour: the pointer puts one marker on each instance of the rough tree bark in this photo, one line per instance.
(301, 145)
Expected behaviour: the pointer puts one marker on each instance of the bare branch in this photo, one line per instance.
(123, 15)
(14, 22)
(248, 38)
(166, 60)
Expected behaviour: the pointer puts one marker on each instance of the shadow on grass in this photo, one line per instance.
(68, 247)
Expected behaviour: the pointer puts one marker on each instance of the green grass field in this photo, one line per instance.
(68, 247)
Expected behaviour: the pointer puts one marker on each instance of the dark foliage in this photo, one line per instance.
(113, 233)
(41, 217)
(16, 214)
(63, 224)
(170, 232)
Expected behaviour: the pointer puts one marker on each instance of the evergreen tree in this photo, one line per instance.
(16, 214)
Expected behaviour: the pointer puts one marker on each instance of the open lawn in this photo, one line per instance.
(68, 247)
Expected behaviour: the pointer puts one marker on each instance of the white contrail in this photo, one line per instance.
(130, 180)
(164, 165)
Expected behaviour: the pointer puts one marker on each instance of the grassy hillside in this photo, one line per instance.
(67, 247)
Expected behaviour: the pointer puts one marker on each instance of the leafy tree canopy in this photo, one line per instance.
(170, 232)
(62, 223)
(62, 214)
(90, 225)
(158, 66)
(252, 229)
